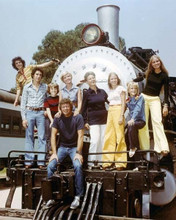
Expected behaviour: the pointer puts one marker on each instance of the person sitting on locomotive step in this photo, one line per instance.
(51, 105)
(23, 76)
(95, 115)
(114, 134)
(71, 129)
(135, 104)
(32, 112)
(72, 92)
(156, 79)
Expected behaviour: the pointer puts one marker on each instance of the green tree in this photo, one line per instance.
(58, 45)
(121, 43)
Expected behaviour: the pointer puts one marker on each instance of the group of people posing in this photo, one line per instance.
(69, 111)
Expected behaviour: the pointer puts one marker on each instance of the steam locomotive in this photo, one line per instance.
(108, 194)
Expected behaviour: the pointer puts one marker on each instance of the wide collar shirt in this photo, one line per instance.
(136, 106)
(32, 97)
(24, 79)
(70, 94)
(93, 107)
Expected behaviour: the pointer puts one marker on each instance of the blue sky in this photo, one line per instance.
(24, 23)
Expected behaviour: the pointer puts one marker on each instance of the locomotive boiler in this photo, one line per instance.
(108, 194)
(101, 55)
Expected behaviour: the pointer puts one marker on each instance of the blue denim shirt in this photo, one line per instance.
(70, 94)
(32, 98)
(136, 108)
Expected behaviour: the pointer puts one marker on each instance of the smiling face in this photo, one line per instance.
(91, 80)
(66, 109)
(37, 77)
(156, 64)
(53, 91)
(113, 80)
(133, 90)
(19, 64)
(67, 78)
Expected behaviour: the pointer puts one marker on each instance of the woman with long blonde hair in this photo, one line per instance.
(156, 79)
(114, 134)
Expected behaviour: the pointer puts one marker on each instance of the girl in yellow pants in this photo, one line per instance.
(114, 133)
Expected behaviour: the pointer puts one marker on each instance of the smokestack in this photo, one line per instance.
(108, 21)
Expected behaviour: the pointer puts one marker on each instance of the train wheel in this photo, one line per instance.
(135, 208)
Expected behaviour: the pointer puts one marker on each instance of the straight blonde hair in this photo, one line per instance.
(135, 84)
(150, 68)
(110, 74)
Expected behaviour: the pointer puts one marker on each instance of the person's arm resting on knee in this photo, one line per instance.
(79, 146)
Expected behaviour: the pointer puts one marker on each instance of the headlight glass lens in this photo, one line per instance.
(92, 34)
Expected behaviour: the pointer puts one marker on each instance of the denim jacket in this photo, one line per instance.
(136, 107)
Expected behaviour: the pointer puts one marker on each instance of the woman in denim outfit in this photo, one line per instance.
(135, 104)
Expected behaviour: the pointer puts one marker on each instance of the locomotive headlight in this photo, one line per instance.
(92, 34)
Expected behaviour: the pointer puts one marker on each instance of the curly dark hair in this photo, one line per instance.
(36, 69)
(15, 59)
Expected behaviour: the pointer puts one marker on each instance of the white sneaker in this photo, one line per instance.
(132, 152)
(50, 202)
(136, 169)
(76, 202)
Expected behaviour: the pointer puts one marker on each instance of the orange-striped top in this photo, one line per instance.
(23, 79)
